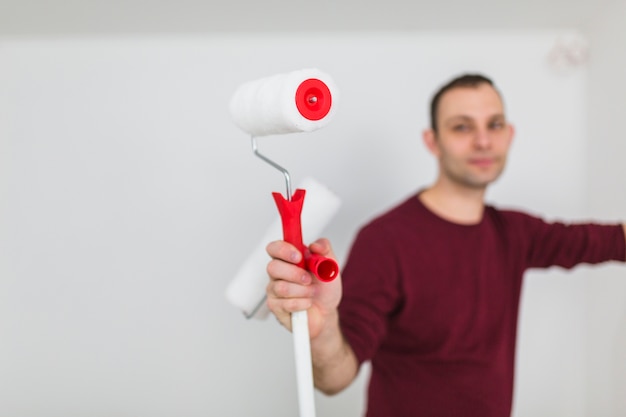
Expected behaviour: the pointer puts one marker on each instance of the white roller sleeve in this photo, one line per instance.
(247, 289)
(267, 106)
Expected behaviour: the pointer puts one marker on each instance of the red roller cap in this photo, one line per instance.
(313, 99)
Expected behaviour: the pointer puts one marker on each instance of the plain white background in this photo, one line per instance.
(128, 198)
(606, 148)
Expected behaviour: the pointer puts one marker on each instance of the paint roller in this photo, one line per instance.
(299, 101)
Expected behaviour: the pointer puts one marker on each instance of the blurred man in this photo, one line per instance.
(431, 289)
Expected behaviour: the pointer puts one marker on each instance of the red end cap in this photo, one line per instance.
(313, 99)
(325, 269)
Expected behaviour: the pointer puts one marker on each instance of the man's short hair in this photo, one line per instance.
(466, 80)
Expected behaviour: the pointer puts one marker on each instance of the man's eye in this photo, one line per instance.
(496, 125)
(461, 128)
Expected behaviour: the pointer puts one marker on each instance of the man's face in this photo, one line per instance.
(473, 136)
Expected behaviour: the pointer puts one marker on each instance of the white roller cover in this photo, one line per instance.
(298, 101)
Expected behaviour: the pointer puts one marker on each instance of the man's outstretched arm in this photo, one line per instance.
(624, 227)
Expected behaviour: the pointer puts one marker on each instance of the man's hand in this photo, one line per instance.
(293, 289)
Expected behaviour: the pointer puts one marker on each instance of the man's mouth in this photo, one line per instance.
(482, 162)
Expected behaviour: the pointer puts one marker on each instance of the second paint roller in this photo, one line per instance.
(299, 101)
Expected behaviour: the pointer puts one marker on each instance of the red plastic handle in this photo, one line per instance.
(325, 269)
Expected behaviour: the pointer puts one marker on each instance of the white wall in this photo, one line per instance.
(128, 198)
(606, 329)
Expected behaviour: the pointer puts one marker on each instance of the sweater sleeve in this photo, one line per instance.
(567, 245)
(370, 291)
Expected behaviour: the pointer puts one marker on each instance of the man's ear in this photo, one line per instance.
(430, 140)
(511, 133)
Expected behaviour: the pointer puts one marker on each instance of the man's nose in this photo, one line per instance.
(482, 139)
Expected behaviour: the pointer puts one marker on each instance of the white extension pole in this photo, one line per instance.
(304, 369)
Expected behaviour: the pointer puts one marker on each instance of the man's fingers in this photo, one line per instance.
(283, 250)
(288, 290)
(280, 270)
(322, 247)
(282, 307)
(284, 298)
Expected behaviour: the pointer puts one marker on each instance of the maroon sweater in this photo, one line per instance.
(433, 305)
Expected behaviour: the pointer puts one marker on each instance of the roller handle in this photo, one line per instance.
(325, 269)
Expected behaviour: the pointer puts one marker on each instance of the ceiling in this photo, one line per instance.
(95, 17)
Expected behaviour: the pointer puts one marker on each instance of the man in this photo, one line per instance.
(431, 288)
